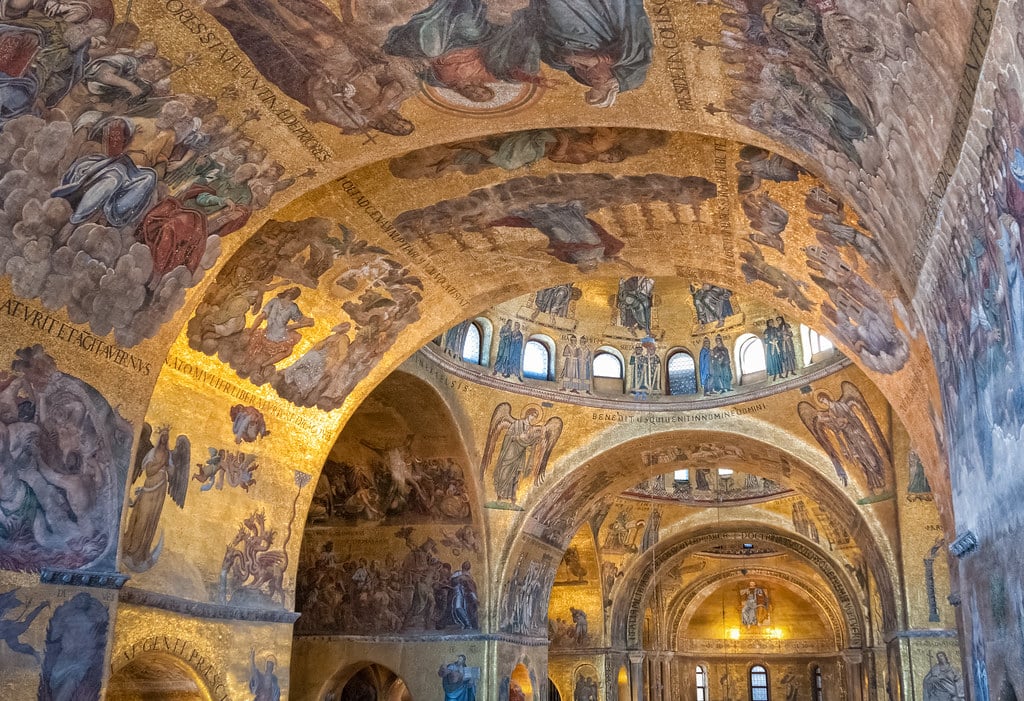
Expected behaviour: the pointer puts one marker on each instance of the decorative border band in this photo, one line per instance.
(79, 578)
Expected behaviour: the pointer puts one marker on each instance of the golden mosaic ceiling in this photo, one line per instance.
(227, 222)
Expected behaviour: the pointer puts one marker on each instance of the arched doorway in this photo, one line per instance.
(367, 682)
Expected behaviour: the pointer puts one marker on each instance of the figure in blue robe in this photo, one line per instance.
(455, 339)
(504, 348)
(515, 356)
(508, 361)
(463, 50)
(772, 350)
(457, 680)
(54, 68)
(787, 349)
(17, 95)
(704, 365)
(604, 44)
(115, 185)
(18, 84)
(721, 368)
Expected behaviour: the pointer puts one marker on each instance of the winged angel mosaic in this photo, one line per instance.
(849, 433)
(526, 445)
(166, 474)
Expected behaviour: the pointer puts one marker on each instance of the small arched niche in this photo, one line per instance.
(586, 684)
(154, 676)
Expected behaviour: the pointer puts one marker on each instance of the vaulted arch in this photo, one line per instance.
(628, 610)
(228, 228)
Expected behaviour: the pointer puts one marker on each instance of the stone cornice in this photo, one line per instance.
(201, 609)
(530, 641)
(80, 578)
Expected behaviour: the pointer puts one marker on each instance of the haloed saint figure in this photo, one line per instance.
(458, 680)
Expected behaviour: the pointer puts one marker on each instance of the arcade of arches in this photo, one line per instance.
(530, 349)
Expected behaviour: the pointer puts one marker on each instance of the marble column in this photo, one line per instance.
(636, 675)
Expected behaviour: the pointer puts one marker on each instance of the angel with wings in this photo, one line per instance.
(166, 473)
(525, 447)
(849, 432)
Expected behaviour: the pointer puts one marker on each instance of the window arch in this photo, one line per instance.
(472, 345)
(682, 373)
(759, 683)
(609, 370)
(538, 358)
(607, 365)
(813, 343)
(702, 684)
(749, 355)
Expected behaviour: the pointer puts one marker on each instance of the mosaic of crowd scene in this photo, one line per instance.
(396, 489)
(143, 182)
(417, 591)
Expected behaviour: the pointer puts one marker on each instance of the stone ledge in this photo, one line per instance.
(80, 578)
(201, 609)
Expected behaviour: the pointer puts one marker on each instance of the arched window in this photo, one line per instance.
(813, 343)
(758, 683)
(817, 688)
(682, 374)
(607, 365)
(472, 346)
(749, 355)
(537, 360)
(702, 684)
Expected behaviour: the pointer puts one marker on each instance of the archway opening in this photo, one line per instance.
(153, 676)
(367, 682)
(553, 693)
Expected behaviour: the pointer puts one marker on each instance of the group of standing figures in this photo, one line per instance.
(779, 349)
(577, 366)
(715, 367)
(509, 360)
(645, 370)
